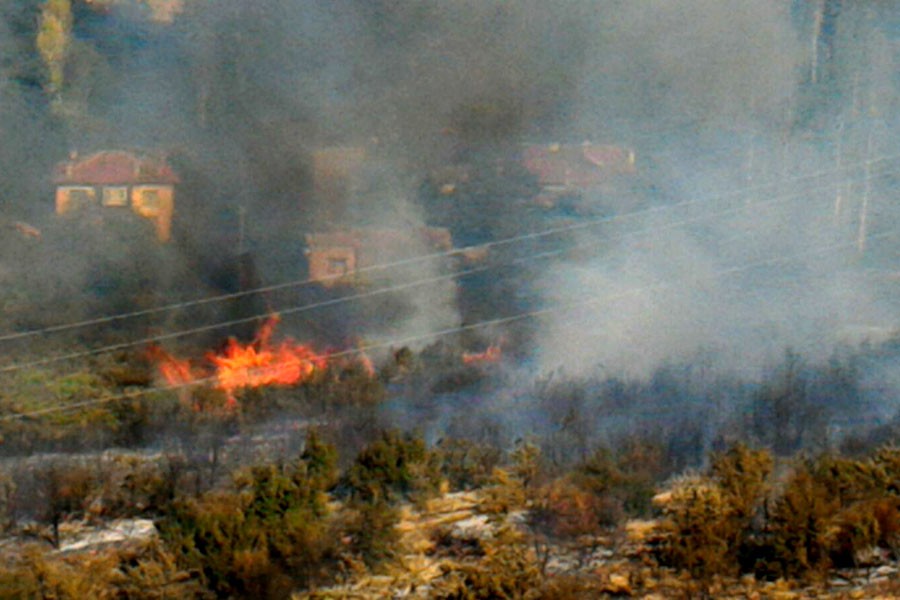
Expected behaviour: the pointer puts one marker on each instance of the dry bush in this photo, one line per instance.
(798, 526)
(562, 510)
(835, 510)
(699, 530)
(503, 495)
(146, 572)
(508, 570)
(886, 468)
(152, 573)
(64, 491)
(572, 587)
(456, 545)
(861, 527)
(7, 502)
(37, 574)
(743, 474)
(527, 465)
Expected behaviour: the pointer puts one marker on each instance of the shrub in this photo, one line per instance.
(562, 510)
(466, 465)
(369, 531)
(265, 536)
(698, 529)
(508, 570)
(504, 494)
(394, 467)
(625, 481)
(799, 523)
(84, 577)
(743, 475)
(320, 459)
(527, 465)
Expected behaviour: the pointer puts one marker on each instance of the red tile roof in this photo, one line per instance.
(380, 239)
(576, 165)
(114, 167)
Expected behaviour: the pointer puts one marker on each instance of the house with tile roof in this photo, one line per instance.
(115, 180)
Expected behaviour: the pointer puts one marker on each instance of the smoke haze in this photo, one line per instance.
(729, 101)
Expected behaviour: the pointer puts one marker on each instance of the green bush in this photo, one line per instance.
(395, 467)
(465, 464)
(624, 480)
(265, 536)
(369, 531)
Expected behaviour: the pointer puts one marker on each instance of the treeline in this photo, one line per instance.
(111, 400)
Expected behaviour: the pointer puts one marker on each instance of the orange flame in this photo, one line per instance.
(246, 366)
(367, 365)
(491, 355)
(249, 367)
(175, 371)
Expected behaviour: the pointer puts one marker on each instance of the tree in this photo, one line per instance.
(786, 414)
(53, 41)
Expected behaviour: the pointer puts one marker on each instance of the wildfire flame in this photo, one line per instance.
(175, 371)
(249, 367)
(238, 366)
(367, 364)
(491, 355)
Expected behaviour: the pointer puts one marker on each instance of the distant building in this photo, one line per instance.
(576, 166)
(159, 11)
(338, 256)
(559, 170)
(118, 180)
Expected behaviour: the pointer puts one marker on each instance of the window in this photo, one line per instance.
(115, 196)
(150, 201)
(80, 198)
(337, 266)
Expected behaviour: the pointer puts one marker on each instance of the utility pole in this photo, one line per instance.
(838, 164)
(854, 96)
(751, 155)
(786, 155)
(817, 33)
(864, 208)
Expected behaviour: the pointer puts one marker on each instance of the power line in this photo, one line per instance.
(432, 256)
(394, 288)
(462, 328)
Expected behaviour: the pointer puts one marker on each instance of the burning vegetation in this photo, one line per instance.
(238, 367)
